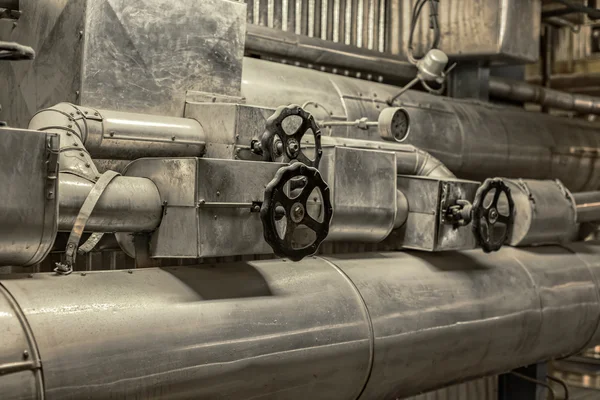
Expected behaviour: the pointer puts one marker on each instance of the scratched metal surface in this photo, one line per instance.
(143, 56)
(138, 55)
(52, 28)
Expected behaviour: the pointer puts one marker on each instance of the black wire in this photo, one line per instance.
(561, 383)
(573, 7)
(536, 381)
(433, 25)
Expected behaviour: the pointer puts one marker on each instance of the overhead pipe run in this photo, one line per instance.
(369, 326)
(287, 45)
(508, 89)
(126, 136)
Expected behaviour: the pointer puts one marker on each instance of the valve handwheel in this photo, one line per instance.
(291, 143)
(488, 217)
(278, 205)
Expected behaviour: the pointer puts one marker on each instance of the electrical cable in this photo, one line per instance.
(561, 383)
(433, 25)
(573, 7)
(536, 381)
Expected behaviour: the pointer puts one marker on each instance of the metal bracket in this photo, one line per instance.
(52, 166)
(65, 268)
(253, 207)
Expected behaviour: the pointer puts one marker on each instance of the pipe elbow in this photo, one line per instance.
(70, 123)
(428, 165)
(63, 117)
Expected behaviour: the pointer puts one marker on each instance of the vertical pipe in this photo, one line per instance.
(547, 61)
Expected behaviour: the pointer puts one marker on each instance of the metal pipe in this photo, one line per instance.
(588, 206)
(376, 326)
(128, 204)
(120, 135)
(474, 140)
(282, 44)
(509, 89)
(409, 159)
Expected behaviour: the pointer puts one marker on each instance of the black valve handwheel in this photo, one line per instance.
(278, 204)
(291, 144)
(487, 217)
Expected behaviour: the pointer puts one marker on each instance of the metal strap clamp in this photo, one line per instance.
(65, 268)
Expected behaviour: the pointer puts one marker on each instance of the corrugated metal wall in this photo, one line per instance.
(377, 25)
(360, 23)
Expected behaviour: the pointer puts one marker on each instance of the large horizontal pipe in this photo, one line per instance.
(588, 206)
(120, 135)
(509, 89)
(289, 46)
(128, 204)
(474, 140)
(409, 159)
(373, 326)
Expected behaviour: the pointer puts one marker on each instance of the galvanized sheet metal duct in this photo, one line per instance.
(128, 204)
(376, 325)
(474, 140)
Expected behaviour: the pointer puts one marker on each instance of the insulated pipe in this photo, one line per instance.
(128, 204)
(286, 45)
(372, 326)
(588, 206)
(474, 140)
(509, 89)
(120, 135)
(409, 159)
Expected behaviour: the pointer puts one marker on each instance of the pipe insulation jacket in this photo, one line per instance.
(128, 204)
(474, 140)
(121, 135)
(509, 89)
(370, 326)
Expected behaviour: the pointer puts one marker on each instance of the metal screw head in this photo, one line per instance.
(218, 193)
(112, 133)
(493, 215)
(25, 354)
(256, 208)
(293, 148)
(173, 138)
(297, 212)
